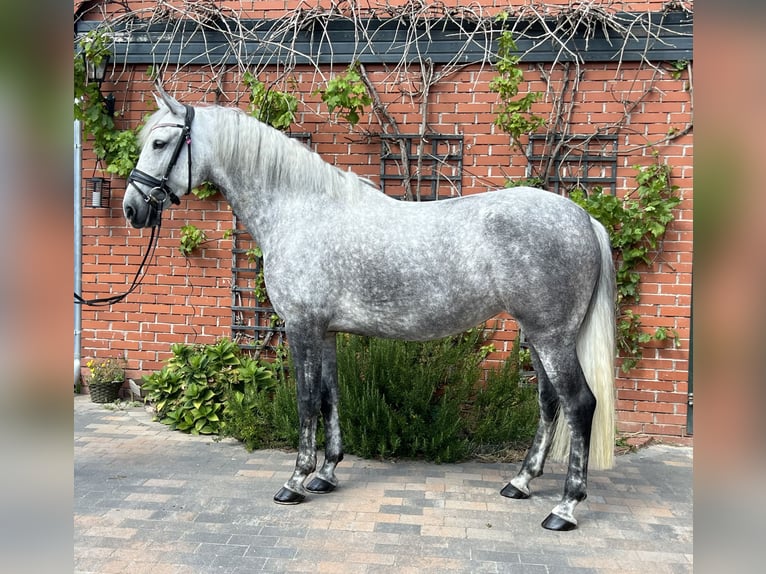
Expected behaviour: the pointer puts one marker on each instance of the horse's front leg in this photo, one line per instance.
(306, 345)
(325, 481)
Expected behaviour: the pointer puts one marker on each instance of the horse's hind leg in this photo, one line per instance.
(577, 404)
(324, 480)
(532, 467)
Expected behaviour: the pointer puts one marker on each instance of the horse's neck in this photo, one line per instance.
(262, 172)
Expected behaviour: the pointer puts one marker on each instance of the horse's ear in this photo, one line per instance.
(165, 99)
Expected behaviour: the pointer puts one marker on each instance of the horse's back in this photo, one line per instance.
(420, 271)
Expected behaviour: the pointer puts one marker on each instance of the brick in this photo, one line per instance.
(665, 430)
(672, 419)
(657, 407)
(636, 417)
(625, 405)
(629, 427)
(644, 396)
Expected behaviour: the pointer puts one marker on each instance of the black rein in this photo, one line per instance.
(159, 192)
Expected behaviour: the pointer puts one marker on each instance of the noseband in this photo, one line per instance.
(158, 193)
(159, 188)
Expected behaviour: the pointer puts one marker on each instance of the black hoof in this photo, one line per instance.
(510, 491)
(555, 522)
(319, 486)
(285, 496)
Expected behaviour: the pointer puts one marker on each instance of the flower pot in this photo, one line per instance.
(105, 392)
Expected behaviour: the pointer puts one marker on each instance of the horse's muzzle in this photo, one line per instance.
(139, 212)
(132, 216)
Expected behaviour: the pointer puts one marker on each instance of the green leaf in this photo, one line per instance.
(346, 95)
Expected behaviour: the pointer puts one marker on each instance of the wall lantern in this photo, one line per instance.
(98, 190)
(95, 74)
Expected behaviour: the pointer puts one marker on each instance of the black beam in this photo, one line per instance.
(385, 42)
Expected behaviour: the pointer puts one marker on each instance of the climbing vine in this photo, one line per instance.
(191, 238)
(513, 113)
(636, 225)
(118, 149)
(269, 105)
(346, 93)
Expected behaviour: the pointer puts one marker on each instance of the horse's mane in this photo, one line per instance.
(247, 144)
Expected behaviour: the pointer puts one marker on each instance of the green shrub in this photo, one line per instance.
(246, 403)
(404, 399)
(187, 392)
(397, 399)
(214, 389)
(504, 412)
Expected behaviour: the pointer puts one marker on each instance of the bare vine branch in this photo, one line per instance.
(416, 20)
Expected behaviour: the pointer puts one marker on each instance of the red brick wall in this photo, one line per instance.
(276, 8)
(187, 300)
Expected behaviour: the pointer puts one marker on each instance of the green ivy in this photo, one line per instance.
(677, 68)
(513, 114)
(347, 94)
(117, 148)
(122, 152)
(270, 106)
(254, 254)
(636, 225)
(191, 238)
(526, 182)
(205, 190)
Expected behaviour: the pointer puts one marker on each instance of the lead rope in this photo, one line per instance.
(137, 278)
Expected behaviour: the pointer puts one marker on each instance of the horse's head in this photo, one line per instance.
(165, 169)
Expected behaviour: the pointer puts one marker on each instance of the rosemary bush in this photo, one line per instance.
(401, 399)
(426, 400)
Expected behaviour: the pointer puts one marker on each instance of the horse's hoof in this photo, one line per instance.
(319, 486)
(510, 491)
(555, 522)
(286, 496)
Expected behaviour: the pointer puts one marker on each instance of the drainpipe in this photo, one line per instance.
(77, 248)
(690, 399)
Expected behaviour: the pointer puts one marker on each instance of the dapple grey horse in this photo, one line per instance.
(340, 256)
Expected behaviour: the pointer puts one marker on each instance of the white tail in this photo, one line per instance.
(596, 352)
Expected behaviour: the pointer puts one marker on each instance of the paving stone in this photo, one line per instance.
(407, 529)
(148, 499)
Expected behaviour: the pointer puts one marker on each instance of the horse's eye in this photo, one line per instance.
(158, 144)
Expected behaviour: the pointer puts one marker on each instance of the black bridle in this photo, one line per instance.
(159, 189)
(158, 193)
